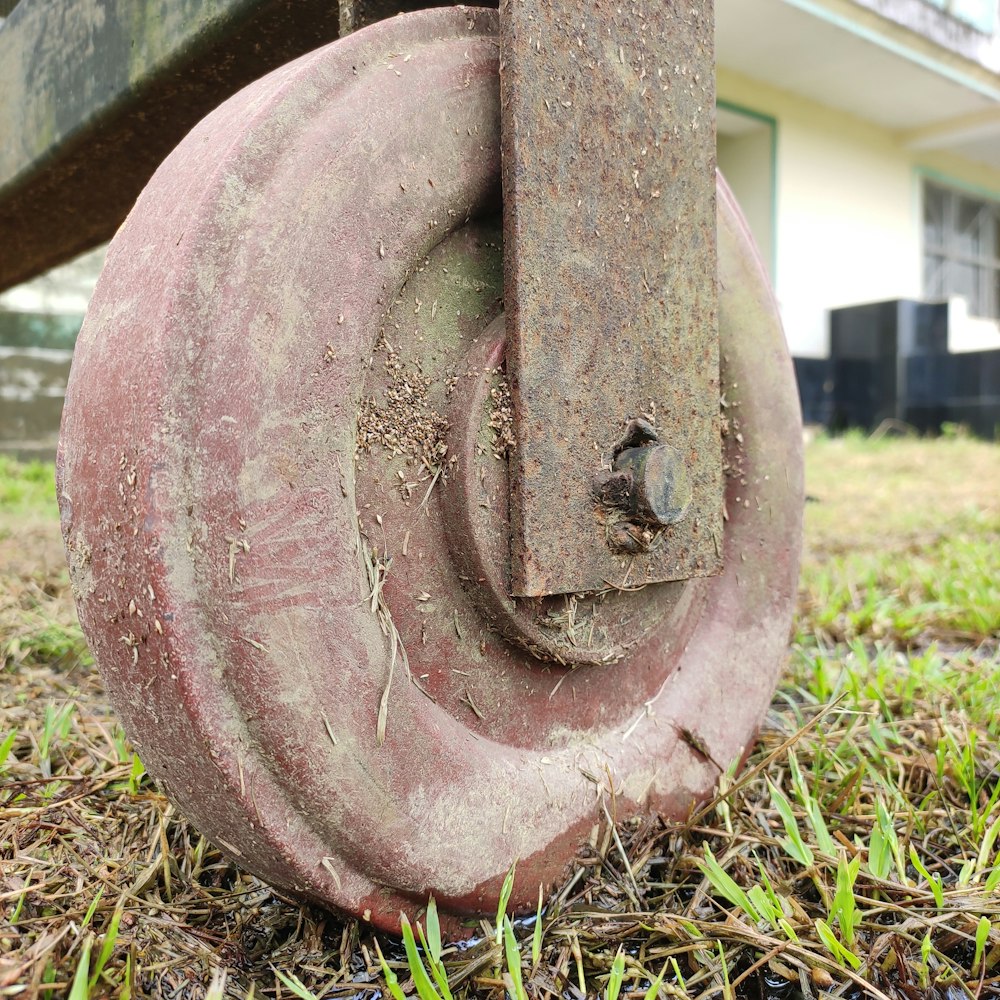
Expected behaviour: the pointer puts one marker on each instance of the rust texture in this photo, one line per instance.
(610, 283)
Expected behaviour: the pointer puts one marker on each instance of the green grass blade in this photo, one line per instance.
(763, 905)
(80, 990)
(89, 915)
(126, 993)
(536, 934)
(724, 885)
(617, 976)
(924, 967)
(48, 976)
(20, 902)
(7, 746)
(678, 975)
(843, 955)
(425, 988)
(436, 966)
(776, 904)
(992, 883)
(843, 908)
(391, 979)
(107, 946)
(653, 992)
(880, 847)
(505, 890)
(986, 847)
(513, 954)
(727, 988)
(933, 881)
(824, 840)
(433, 931)
(295, 984)
(789, 930)
(136, 774)
(982, 936)
(794, 845)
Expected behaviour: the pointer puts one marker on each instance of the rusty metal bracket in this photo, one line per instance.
(610, 291)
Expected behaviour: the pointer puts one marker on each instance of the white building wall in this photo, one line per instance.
(848, 225)
(746, 161)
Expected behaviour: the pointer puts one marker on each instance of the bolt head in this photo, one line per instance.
(661, 489)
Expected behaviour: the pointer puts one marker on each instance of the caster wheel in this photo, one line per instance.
(283, 483)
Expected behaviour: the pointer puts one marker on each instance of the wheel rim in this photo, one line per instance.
(209, 502)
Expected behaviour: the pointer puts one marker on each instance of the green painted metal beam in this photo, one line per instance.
(94, 93)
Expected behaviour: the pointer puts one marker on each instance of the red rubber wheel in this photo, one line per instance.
(305, 636)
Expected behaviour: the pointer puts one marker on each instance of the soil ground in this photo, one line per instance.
(855, 856)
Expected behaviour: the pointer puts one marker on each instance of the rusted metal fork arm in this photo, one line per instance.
(608, 137)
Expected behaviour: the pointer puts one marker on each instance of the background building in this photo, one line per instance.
(861, 137)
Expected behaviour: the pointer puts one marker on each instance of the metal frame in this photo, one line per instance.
(608, 139)
(97, 95)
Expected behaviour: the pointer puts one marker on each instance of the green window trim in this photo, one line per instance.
(772, 123)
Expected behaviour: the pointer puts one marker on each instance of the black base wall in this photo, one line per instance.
(890, 360)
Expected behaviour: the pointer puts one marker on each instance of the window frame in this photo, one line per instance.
(950, 255)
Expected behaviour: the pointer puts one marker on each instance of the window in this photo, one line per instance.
(962, 249)
(981, 14)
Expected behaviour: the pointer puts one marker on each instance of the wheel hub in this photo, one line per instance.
(433, 491)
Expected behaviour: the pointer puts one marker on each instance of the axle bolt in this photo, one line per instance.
(661, 491)
(648, 481)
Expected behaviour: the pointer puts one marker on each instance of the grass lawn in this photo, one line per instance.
(856, 855)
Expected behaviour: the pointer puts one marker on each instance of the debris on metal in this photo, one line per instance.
(610, 254)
